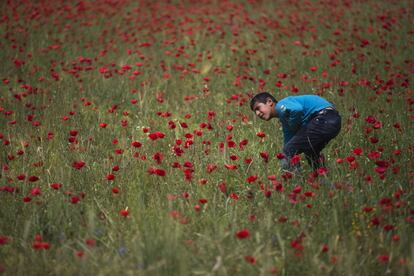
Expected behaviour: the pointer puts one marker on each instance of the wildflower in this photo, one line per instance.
(261, 134)
(231, 144)
(295, 160)
(74, 199)
(242, 234)
(383, 258)
(230, 167)
(282, 219)
(4, 240)
(124, 212)
(280, 155)
(110, 177)
(357, 151)
(159, 172)
(222, 187)
(297, 189)
(251, 178)
(250, 259)
(33, 178)
(27, 199)
(78, 164)
(90, 242)
(79, 253)
(36, 191)
(203, 201)
(243, 143)
(56, 186)
(40, 245)
(211, 167)
(265, 156)
(73, 132)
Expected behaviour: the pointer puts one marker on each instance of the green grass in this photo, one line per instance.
(202, 58)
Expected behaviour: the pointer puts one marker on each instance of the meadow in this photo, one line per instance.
(128, 147)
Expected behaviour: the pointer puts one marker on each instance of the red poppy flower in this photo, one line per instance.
(383, 258)
(78, 164)
(4, 240)
(251, 178)
(27, 199)
(33, 178)
(250, 259)
(124, 212)
(243, 143)
(265, 156)
(73, 132)
(309, 194)
(203, 201)
(136, 144)
(297, 189)
(90, 242)
(56, 186)
(156, 171)
(357, 151)
(74, 199)
(222, 187)
(231, 144)
(153, 136)
(282, 219)
(322, 171)
(234, 157)
(110, 177)
(211, 167)
(230, 167)
(242, 234)
(36, 191)
(295, 160)
(280, 155)
(261, 134)
(40, 245)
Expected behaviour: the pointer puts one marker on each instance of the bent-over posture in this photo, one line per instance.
(309, 122)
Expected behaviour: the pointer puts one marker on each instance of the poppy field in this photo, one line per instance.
(128, 147)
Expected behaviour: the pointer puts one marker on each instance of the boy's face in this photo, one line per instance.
(265, 111)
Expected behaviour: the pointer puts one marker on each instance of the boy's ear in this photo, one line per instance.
(269, 101)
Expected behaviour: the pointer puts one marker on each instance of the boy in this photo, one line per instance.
(309, 122)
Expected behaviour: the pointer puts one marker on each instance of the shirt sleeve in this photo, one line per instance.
(287, 135)
(292, 113)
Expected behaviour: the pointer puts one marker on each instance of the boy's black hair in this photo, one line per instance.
(261, 98)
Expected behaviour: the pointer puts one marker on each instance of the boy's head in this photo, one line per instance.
(263, 105)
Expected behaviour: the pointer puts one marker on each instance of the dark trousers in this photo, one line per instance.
(312, 138)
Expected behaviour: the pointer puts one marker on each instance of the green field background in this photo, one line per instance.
(128, 146)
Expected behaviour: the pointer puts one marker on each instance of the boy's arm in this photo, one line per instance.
(293, 115)
(290, 115)
(287, 135)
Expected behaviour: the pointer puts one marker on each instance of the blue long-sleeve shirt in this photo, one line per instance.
(295, 112)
